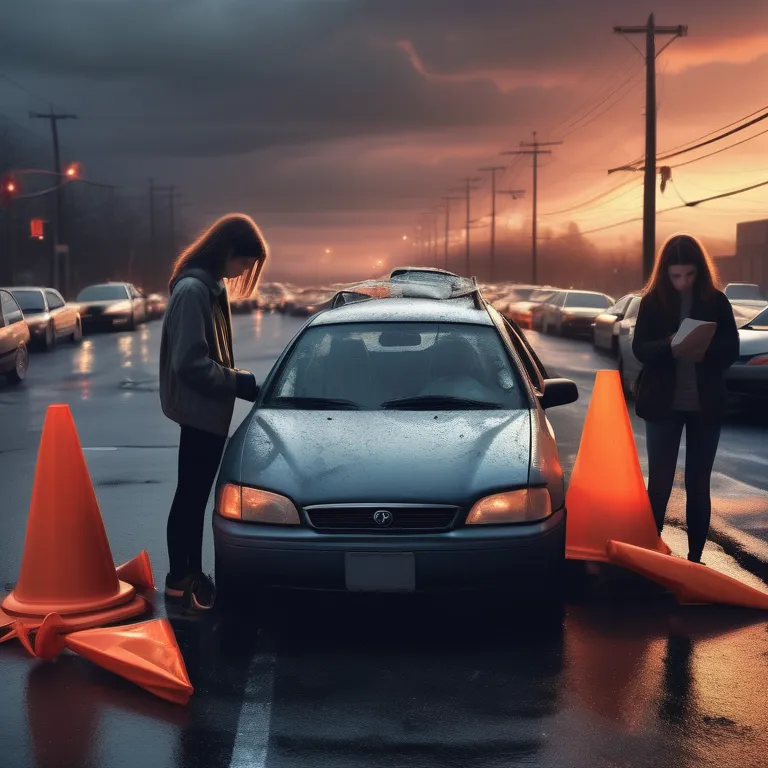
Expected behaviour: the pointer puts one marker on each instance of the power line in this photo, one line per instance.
(23, 89)
(597, 198)
(691, 204)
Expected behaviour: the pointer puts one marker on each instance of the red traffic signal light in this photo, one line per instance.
(72, 171)
(9, 186)
(36, 229)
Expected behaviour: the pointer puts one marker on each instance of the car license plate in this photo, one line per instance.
(375, 572)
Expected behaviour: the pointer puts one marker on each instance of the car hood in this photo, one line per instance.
(753, 342)
(317, 457)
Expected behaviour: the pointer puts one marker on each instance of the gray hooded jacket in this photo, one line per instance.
(198, 380)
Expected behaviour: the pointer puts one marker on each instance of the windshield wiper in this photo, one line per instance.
(439, 402)
(318, 403)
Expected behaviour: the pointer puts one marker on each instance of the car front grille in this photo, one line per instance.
(393, 518)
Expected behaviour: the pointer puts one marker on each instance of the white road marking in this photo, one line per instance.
(252, 736)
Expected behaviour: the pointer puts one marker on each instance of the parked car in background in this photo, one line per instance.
(242, 306)
(744, 292)
(397, 445)
(311, 301)
(49, 318)
(605, 334)
(629, 367)
(521, 310)
(573, 313)
(272, 297)
(156, 305)
(14, 339)
(111, 306)
(748, 376)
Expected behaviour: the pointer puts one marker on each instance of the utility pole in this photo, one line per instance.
(58, 212)
(535, 149)
(467, 189)
(447, 200)
(493, 170)
(650, 30)
(515, 194)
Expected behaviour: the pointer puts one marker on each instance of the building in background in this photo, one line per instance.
(750, 264)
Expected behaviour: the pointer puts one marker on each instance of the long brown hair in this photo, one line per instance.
(679, 250)
(236, 233)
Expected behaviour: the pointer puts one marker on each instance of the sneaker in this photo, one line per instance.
(176, 588)
(200, 595)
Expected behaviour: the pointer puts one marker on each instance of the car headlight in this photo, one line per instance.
(238, 502)
(758, 360)
(524, 506)
(120, 307)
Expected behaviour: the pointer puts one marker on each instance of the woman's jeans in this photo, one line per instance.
(701, 441)
(199, 457)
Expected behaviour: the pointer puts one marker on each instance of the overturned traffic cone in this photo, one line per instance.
(137, 572)
(147, 654)
(607, 499)
(67, 566)
(691, 583)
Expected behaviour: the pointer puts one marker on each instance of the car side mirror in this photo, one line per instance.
(558, 392)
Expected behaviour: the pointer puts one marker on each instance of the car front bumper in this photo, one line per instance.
(104, 321)
(482, 557)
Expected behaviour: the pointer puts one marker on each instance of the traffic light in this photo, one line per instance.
(72, 171)
(36, 229)
(9, 186)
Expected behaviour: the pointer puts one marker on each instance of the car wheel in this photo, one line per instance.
(77, 334)
(49, 343)
(132, 323)
(21, 364)
(626, 386)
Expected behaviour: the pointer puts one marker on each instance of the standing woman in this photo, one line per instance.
(683, 388)
(199, 383)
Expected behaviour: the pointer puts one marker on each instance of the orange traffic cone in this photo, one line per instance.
(691, 583)
(146, 654)
(67, 565)
(138, 572)
(607, 498)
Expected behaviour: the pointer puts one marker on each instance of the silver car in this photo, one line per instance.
(748, 376)
(396, 445)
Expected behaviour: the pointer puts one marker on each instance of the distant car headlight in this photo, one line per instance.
(759, 360)
(524, 506)
(121, 307)
(237, 502)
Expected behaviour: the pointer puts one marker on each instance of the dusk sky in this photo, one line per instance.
(336, 122)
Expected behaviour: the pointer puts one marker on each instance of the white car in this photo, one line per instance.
(747, 377)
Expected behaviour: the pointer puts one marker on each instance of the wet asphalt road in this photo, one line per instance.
(616, 676)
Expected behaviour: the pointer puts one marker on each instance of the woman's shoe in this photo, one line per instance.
(200, 595)
(175, 588)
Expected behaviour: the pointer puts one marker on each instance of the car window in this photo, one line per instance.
(587, 300)
(533, 366)
(760, 322)
(54, 300)
(632, 309)
(370, 364)
(743, 292)
(103, 293)
(30, 301)
(11, 310)
(620, 306)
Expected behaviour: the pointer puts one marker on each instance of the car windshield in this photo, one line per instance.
(743, 292)
(31, 302)
(408, 366)
(760, 323)
(587, 300)
(540, 296)
(103, 293)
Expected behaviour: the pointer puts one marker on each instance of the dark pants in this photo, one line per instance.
(199, 457)
(701, 440)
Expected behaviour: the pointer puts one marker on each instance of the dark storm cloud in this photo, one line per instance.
(216, 77)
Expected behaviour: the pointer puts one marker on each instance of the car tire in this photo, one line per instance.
(132, 323)
(49, 342)
(21, 365)
(77, 334)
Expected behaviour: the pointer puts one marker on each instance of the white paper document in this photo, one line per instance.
(694, 333)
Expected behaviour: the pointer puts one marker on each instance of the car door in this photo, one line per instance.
(628, 363)
(58, 311)
(14, 331)
(139, 304)
(552, 311)
(606, 325)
